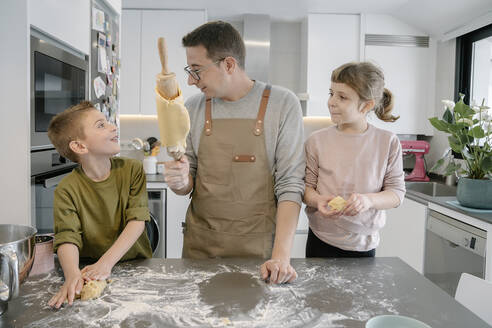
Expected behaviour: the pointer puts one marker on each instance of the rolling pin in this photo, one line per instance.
(172, 116)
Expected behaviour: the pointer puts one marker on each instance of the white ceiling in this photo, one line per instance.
(432, 16)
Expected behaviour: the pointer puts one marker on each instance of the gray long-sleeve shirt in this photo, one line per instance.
(283, 130)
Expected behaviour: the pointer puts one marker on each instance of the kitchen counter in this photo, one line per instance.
(155, 181)
(485, 216)
(222, 293)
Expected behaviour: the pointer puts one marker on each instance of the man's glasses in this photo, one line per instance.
(194, 72)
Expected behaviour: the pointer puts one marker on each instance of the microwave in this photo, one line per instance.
(59, 79)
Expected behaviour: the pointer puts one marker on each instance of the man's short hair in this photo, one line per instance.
(220, 39)
(67, 126)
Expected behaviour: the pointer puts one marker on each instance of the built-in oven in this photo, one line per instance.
(452, 247)
(59, 79)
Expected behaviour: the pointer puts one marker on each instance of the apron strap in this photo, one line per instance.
(259, 119)
(208, 117)
(261, 112)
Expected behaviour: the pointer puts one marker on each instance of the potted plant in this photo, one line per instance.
(470, 130)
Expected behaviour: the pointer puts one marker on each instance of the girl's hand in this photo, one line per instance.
(357, 203)
(325, 210)
(97, 271)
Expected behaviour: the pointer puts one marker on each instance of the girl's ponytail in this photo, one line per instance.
(385, 106)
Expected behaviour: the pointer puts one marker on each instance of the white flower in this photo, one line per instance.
(479, 109)
(466, 121)
(486, 116)
(448, 104)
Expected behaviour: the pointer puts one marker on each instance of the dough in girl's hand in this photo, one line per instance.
(337, 203)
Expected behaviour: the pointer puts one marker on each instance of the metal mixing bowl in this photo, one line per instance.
(16, 257)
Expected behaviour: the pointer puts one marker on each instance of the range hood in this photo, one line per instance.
(256, 35)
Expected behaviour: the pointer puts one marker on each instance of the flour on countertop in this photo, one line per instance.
(136, 298)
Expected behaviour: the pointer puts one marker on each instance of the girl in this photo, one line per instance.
(354, 160)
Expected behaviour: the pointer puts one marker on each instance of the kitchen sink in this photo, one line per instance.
(433, 189)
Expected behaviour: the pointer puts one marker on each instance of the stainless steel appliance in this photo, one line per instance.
(16, 258)
(451, 248)
(58, 80)
(156, 228)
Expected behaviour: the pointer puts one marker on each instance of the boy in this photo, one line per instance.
(101, 206)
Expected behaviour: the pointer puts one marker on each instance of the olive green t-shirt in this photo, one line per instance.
(91, 215)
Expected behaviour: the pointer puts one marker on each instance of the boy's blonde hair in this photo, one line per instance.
(368, 81)
(67, 126)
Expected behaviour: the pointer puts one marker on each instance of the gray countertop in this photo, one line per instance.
(443, 201)
(155, 178)
(226, 293)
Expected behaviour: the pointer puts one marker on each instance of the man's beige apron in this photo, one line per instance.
(233, 207)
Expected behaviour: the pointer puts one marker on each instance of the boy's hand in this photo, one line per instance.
(97, 271)
(73, 285)
(357, 203)
(177, 173)
(324, 209)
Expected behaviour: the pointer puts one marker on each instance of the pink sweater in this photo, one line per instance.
(340, 164)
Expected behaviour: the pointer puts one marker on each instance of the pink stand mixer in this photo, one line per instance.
(419, 148)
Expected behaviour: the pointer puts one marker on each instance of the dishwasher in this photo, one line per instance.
(451, 248)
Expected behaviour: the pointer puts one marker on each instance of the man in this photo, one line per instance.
(244, 160)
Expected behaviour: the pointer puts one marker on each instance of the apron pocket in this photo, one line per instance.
(202, 243)
(217, 165)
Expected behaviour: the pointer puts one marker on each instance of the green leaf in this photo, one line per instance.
(455, 144)
(459, 107)
(439, 124)
(438, 164)
(477, 132)
(451, 168)
(487, 164)
(464, 138)
(448, 116)
(463, 109)
(466, 153)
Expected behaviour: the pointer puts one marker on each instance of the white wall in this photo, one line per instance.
(445, 75)
(14, 126)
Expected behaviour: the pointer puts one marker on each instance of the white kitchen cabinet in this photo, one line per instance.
(299, 246)
(140, 56)
(131, 21)
(175, 215)
(404, 233)
(67, 21)
(300, 238)
(409, 72)
(332, 40)
(408, 75)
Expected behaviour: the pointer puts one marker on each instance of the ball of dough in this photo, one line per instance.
(337, 203)
(92, 289)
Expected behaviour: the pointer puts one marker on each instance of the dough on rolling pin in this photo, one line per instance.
(92, 289)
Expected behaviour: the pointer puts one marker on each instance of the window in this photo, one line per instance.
(474, 66)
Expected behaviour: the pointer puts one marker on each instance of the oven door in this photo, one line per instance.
(43, 190)
(58, 81)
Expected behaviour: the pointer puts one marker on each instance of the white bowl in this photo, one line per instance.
(395, 321)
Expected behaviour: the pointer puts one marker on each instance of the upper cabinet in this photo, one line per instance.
(140, 62)
(67, 21)
(332, 40)
(408, 59)
(406, 56)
